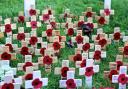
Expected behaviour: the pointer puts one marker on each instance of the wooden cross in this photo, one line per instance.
(67, 14)
(123, 50)
(68, 21)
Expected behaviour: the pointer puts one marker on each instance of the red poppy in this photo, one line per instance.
(7, 86)
(119, 63)
(27, 64)
(70, 83)
(117, 36)
(50, 12)
(8, 28)
(49, 32)
(42, 50)
(66, 25)
(56, 45)
(86, 46)
(65, 15)
(33, 24)
(45, 17)
(29, 77)
(5, 56)
(53, 24)
(112, 72)
(60, 38)
(102, 42)
(107, 12)
(47, 60)
(36, 83)
(122, 79)
(101, 20)
(98, 37)
(24, 51)
(10, 47)
(97, 55)
(89, 71)
(80, 23)
(21, 19)
(77, 57)
(90, 25)
(83, 63)
(125, 50)
(89, 14)
(33, 40)
(20, 36)
(70, 31)
(32, 12)
(64, 71)
(79, 39)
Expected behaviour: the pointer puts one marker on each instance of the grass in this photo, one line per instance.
(10, 8)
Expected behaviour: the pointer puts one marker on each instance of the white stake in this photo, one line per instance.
(107, 4)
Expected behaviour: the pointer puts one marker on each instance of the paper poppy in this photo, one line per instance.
(33, 24)
(89, 71)
(8, 28)
(45, 17)
(56, 45)
(37, 83)
(70, 83)
(86, 47)
(125, 52)
(53, 24)
(24, 51)
(119, 63)
(79, 39)
(49, 32)
(10, 47)
(80, 23)
(42, 50)
(83, 63)
(29, 76)
(27, 64)
(70, 31)
(90, 25)
(98, 37)
(60, 38)
(77, 57)
(66, 25)
(107, 12)
(97, 55)
(64, 71)
(65, 15)
(32, 12)
(20, 36)
(33, 40)
(7, 86)
(102, 42)
(21, 19)
(5, 56)
(50, 12)
(101, 20)
(47, 60)
(112, 72)
(117, 36)
(122, 79)
(89, 14)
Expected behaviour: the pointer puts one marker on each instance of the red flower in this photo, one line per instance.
(125, 50)
(98, 37)
(5, 56)
(119, 63)
(70, 83)
(80, 23)
(122, 79)
(90, 25)
(45, 17)
(66, 25)
(60, 38)
(97, 55)
(56, 45)
(86, 46)
(70, 31)
(8, 28)
(102, 42)
(117, 36)
(49, 12)
(10, 47)
(77, 57)
(29, 77)
(79, 39)
(20, 36)
(65, 15)
(83, 64)
(33, 40)
(47, 60)
(42, 50)
(89, 14)
(107, 12)
(32, 12)
(36, 83)
(89, 71)
(49, 32)
(64, 71)
(53, 24)
(7, 86)
(21, 19)
(33, 24)
(24, 51)
(27, 64)
(112, 72)
(101, 20)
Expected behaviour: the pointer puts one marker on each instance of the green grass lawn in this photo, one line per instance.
(10, 8)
